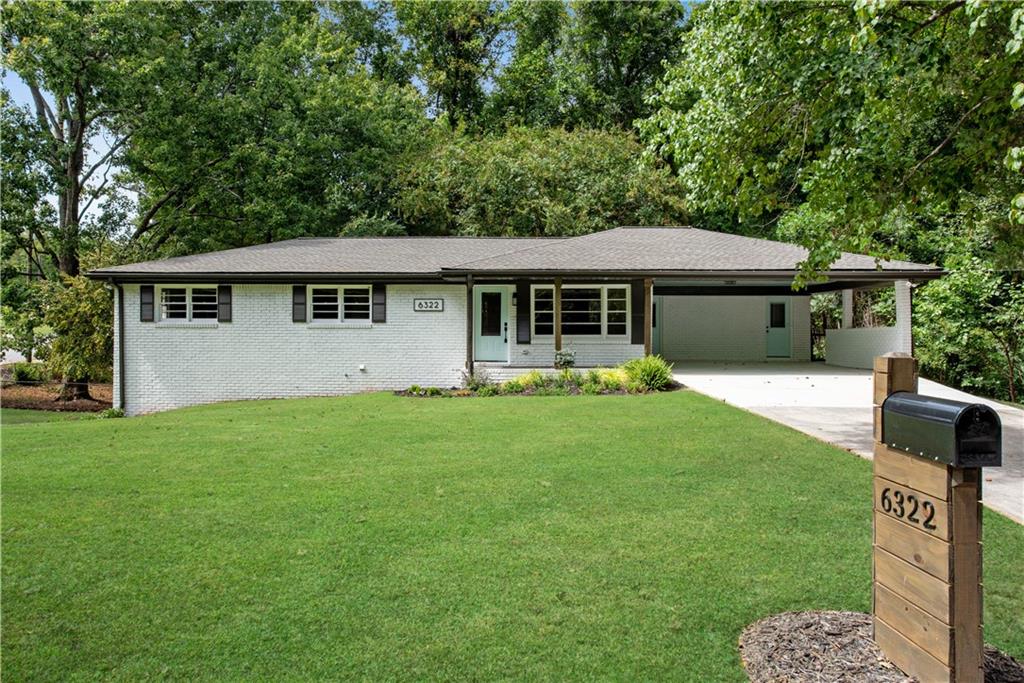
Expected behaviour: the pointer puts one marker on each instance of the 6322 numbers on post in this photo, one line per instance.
(907, 507)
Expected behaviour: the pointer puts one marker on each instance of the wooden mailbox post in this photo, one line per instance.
(927, 552)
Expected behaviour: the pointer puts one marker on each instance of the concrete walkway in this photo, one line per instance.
(834, 405)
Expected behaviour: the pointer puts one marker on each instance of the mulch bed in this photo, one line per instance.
(805, 647)
(44, 397)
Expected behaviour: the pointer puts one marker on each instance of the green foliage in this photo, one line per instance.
(372, 226)
(612, 379)
(537, 182)
(969, 329)
(487, 390)
(453, 42)
(29, 373)
(513, 386)
(81, 315)
(110, 413)
(649, 373)
(530, 380)
(477, 380)
(774, 115)
(434, 391)
(565, 358)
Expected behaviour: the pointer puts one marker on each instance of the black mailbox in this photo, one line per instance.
(958, 434)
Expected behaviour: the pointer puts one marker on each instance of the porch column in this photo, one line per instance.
(847, 309)
(904, 305)
(469, 324)
(648, 311)
(558, 314)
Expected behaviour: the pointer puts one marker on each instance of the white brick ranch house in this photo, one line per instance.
(340, 315)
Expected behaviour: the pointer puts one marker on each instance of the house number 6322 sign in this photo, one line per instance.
(427, 305)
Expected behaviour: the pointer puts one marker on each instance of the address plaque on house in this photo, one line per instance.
(428, 305)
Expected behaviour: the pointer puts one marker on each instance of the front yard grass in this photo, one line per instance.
(380, 537)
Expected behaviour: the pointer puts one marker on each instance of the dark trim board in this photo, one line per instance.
(764, 290)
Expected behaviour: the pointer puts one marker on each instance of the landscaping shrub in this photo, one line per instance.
(567, 378)
(590, 388)
(476, 380)
(566, 358)
(434, 391)
(487, 390)
(534, 379)
(592, 377)
(513, 386)
(110, 413)
(651, 373)
(612, 379)
(29, 373)
(415, 389)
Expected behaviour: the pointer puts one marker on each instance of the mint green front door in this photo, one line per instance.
(490, 323)
(777, 344)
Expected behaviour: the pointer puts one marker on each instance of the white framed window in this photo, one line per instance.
(587, 310)
(188, 303)
(339, 303)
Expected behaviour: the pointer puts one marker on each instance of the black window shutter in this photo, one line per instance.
(380, 302)
(523, 312)
(223, 303)
(298, 303)
(146, 307)
(636, 307)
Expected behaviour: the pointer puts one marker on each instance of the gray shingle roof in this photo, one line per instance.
(667, 250)
(396, 255)
(628, 249)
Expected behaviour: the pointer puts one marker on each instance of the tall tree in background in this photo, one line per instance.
(456, 45)
(791, 114)
(268, 127)
(614, 53)
(80, 61)
(530, 182)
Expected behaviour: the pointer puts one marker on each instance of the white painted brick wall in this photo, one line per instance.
(728, 328)
(858, 346)
(263, 354)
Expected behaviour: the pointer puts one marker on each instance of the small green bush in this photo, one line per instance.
(415, 389)
(434, 391)
(651, 373)
(552, 391)
(513, 386)
(590, 388)
(566, 358)
(612, 379)
(110, 413)
(29, 373)
(487, 390)
(592, 377)
(534, 379)
(567, 378)
(477, 380)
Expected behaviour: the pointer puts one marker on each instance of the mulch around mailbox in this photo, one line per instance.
(801, 647)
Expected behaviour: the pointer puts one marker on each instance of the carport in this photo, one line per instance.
(834, 404)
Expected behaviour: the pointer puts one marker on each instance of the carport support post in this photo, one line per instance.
(648, 306)
(558, 314)
(926, 568)
(469, 324)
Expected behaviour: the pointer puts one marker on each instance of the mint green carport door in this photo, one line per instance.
(490, 323)
(777, 335)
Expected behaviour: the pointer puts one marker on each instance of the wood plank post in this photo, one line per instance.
(648, 314)
(469, 324)
(927, 552)
(558, 314)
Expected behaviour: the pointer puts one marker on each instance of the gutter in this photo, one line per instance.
(120, 343)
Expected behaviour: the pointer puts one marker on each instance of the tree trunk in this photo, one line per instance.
(74, 390)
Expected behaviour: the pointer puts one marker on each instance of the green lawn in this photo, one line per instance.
(13, 416)
(378, 537)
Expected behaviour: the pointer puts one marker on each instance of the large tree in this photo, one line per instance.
(531, 182)
(801, 123)
(271, 127)
(456, 44)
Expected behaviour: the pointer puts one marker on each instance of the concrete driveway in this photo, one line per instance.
(834, 405)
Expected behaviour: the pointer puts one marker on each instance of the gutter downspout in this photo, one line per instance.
(120, 344)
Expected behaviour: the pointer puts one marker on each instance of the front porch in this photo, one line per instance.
(516, 326)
